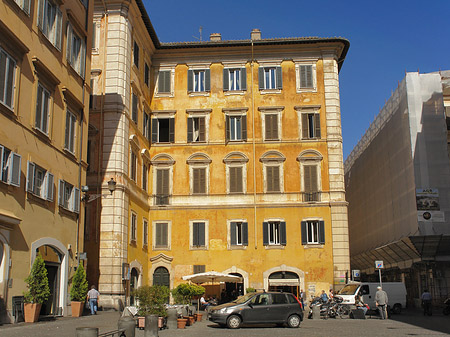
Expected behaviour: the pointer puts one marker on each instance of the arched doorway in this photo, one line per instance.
(134, 284)
(161, 277)
(232, 290)
(284, 281)
(52, 259)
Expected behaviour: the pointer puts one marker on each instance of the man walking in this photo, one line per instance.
(426, 303)
(93, 296)
(381, 300)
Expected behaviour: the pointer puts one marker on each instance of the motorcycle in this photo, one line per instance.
(446, 310)
(332, 308)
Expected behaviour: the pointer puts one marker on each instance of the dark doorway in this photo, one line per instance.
(232, 290)
(52, 259)
(284, 281)
(134, 277)
(161, 277)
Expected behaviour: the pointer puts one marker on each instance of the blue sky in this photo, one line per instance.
(387, 38)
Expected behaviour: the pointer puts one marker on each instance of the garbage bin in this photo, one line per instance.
(127, 323)
(17, 308)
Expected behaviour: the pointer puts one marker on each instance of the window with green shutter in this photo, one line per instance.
(313, 232)
(270, 78)
(198, 234)
(273, 178)
(235, 176)
(163, 130)
(199, 80)
(164, 81)
(238, 233)
(161, 235)
(199, 180)
(162, 186)
(310, 183)
(271, 126)
(306, 76)
(274, 233)
(311, 126)
(196, 130)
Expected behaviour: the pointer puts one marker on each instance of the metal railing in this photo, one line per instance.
(161, 199)
(310, 197)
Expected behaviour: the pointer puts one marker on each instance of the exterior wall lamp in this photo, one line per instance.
(91, 197)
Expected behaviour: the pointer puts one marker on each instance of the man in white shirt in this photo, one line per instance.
(93, 295)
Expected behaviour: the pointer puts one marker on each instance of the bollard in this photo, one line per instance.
(172, 318)
(87, 332)
(129, 324)
(316, 312)
(151, 326)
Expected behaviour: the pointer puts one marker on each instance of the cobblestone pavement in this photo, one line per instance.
(410, 323)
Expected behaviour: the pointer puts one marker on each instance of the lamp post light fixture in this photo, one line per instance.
(91, 197)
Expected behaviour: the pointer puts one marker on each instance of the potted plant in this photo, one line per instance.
(78, 291)
(151, 301)
(184, 293)
(38, 290)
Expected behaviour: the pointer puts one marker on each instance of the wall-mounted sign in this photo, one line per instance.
(379, 265)
(430, 216)
(427, 199)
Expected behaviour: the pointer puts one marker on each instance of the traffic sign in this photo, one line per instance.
(379, 265)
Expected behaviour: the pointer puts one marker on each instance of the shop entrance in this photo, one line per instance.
(52, 259)
(232, 290)
(134, 277)
(285, 281)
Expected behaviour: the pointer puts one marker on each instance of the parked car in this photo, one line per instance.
(256, 308)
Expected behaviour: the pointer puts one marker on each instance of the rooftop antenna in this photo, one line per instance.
(200, 30)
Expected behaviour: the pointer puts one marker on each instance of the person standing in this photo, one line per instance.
(381, 300)
(324, 296)
(302, 298)
(93, 295)
(426, 303)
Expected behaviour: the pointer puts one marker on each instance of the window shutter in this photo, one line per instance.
(161, 82)
(226, 79)
(244, 127)
(40, 14)
(314, 178)
(158, 231)
(243, 78)
(69, 43)
(67, 135)
(269, 178)
(201, 232)
(30, 176)
(239, 185)
(245, 233)
(305, 134)
(227, 128)
(207, 80)
(268, 125)
(165, 187)
(307, 178)
(279, 78)
(202, 129)
(14, 169)
(321, 232)
(265, 233)
(164, 235)
(304, 235)
(190, 80)
(306, 78)
(167, 81)
(276, 179)
(233, 181)
(275, 127)
(202, 180)
(190, 127)
(154, 123)
(134, 107)
(195, 234)
(283, 233)
(49, 187)
(83, 58)
(1, 163)
(233, 233)
(171, 130)
(317, 125)
(76, 201)
(261, 78)
(61, 193)
(26, 6)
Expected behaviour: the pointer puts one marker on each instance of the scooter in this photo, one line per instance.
(446, 310)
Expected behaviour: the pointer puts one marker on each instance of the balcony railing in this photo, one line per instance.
(310, 197)
(161, 199)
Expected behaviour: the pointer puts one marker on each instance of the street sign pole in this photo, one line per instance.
(379, 265)
(379, 273)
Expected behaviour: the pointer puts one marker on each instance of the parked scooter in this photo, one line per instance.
(446, 310)
(332, 308)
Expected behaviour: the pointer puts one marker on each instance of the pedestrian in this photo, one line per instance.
(360, 304)
(381, 301)
(93, 295)
(426, 303)
(324, 296)
(302, 298)
(331, 294)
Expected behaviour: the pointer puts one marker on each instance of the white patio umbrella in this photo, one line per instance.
(211, 276)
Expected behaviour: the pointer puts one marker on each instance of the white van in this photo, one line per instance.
(396, 292)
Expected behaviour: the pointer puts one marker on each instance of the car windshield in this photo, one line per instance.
(244, 298)
(349, 289)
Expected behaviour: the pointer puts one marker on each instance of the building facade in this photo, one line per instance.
(227, 155)
(43, 138)
(397, 183)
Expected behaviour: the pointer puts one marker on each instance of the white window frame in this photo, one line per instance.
(271, 111)
(237, 245)
(133, 227)
(169, 234)
(270, 64)
(76, 50)
(24, 5)
(161, 162)
(276, 241)
(172, 79)
(10, 166)
(298, 65)
(191, 178)
(315, 230)
(9, 72)
(199, 83)
(191, 232)
(144, 232)
(70, 135)
(236, 159)
(44, 189)
(43, 122)
(69, 196)
(308, 110)
(133, 165)
(145, 177)
(52, 30)
(200, 113)
(273, 159)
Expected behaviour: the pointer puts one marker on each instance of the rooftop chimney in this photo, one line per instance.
(215, 37)
(255, 34)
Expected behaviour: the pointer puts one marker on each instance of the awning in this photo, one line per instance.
(284, 282)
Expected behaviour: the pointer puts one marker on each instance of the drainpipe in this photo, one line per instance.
(254, 154)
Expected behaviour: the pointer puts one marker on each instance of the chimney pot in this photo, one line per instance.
(215, 37)
(255, 34)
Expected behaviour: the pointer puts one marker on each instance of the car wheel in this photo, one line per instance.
(293, 321)
(397, 309)
(234, 322)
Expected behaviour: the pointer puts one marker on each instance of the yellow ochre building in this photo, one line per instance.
(227, 156)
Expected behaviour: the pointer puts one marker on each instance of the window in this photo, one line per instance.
(134, 108)
(50, 21)
(274, 233)
(163, 130)
(24, 4)
(306, 79)
(133, 166)
(162, 186)
(235, 181)
(234, 79)
(145, 232)
(271, 127)
(236, 172)
(236, 128)
(76, 51)
(199, 268)
(146, 74)
(238, 233)
(310, 183)
(310, 125)
(136, 54)
(199, 80)
(270, 78)
(199, 173)
(146, 126)
(199, 180)
(69, 196)
(273, 171)
(164, 81)
(10, 166)
(273, 178)
(133, 227)
(71, 121)
(39, 181)
(198, 234)
(196, 129)
(145, 177)
(7, 79)
(161, 235)
(42, 109)
(313, 232)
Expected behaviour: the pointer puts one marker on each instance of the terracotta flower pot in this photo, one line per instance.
(188, 321)
(181, 323)
(77, 308)
(141, 322)
(199, 317)
(160, 322)
(31, 312)
(191, 320)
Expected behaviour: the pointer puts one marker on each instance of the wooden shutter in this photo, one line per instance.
(199, 180)
(30, 176)
(226, 79)
(136, 54)
(161, 83)
(207, 80)
(76, 200)
(134, 107)
(276, 178)
(171, 130)
(236, 179)
(233, 233)
(244, 127)
(261, 78)
(83, 58)
(265, 233)
(321, 232)
(49, 186)
(305, 133)
(190, 129)
(269, 178)
(14, 169)
(245, 233)
(190, 80)
(243, 78)
(61, 193)
(283, 233)
(271, 124)
(268, 121)
(199, 268)
(69, 43)
(310, 178)
(279, 78)
(201, 129)
(40, 14)
(306, 78)
(38, 121)
(304, 233)
(317, 125)
(154, 124)
(227, 128)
